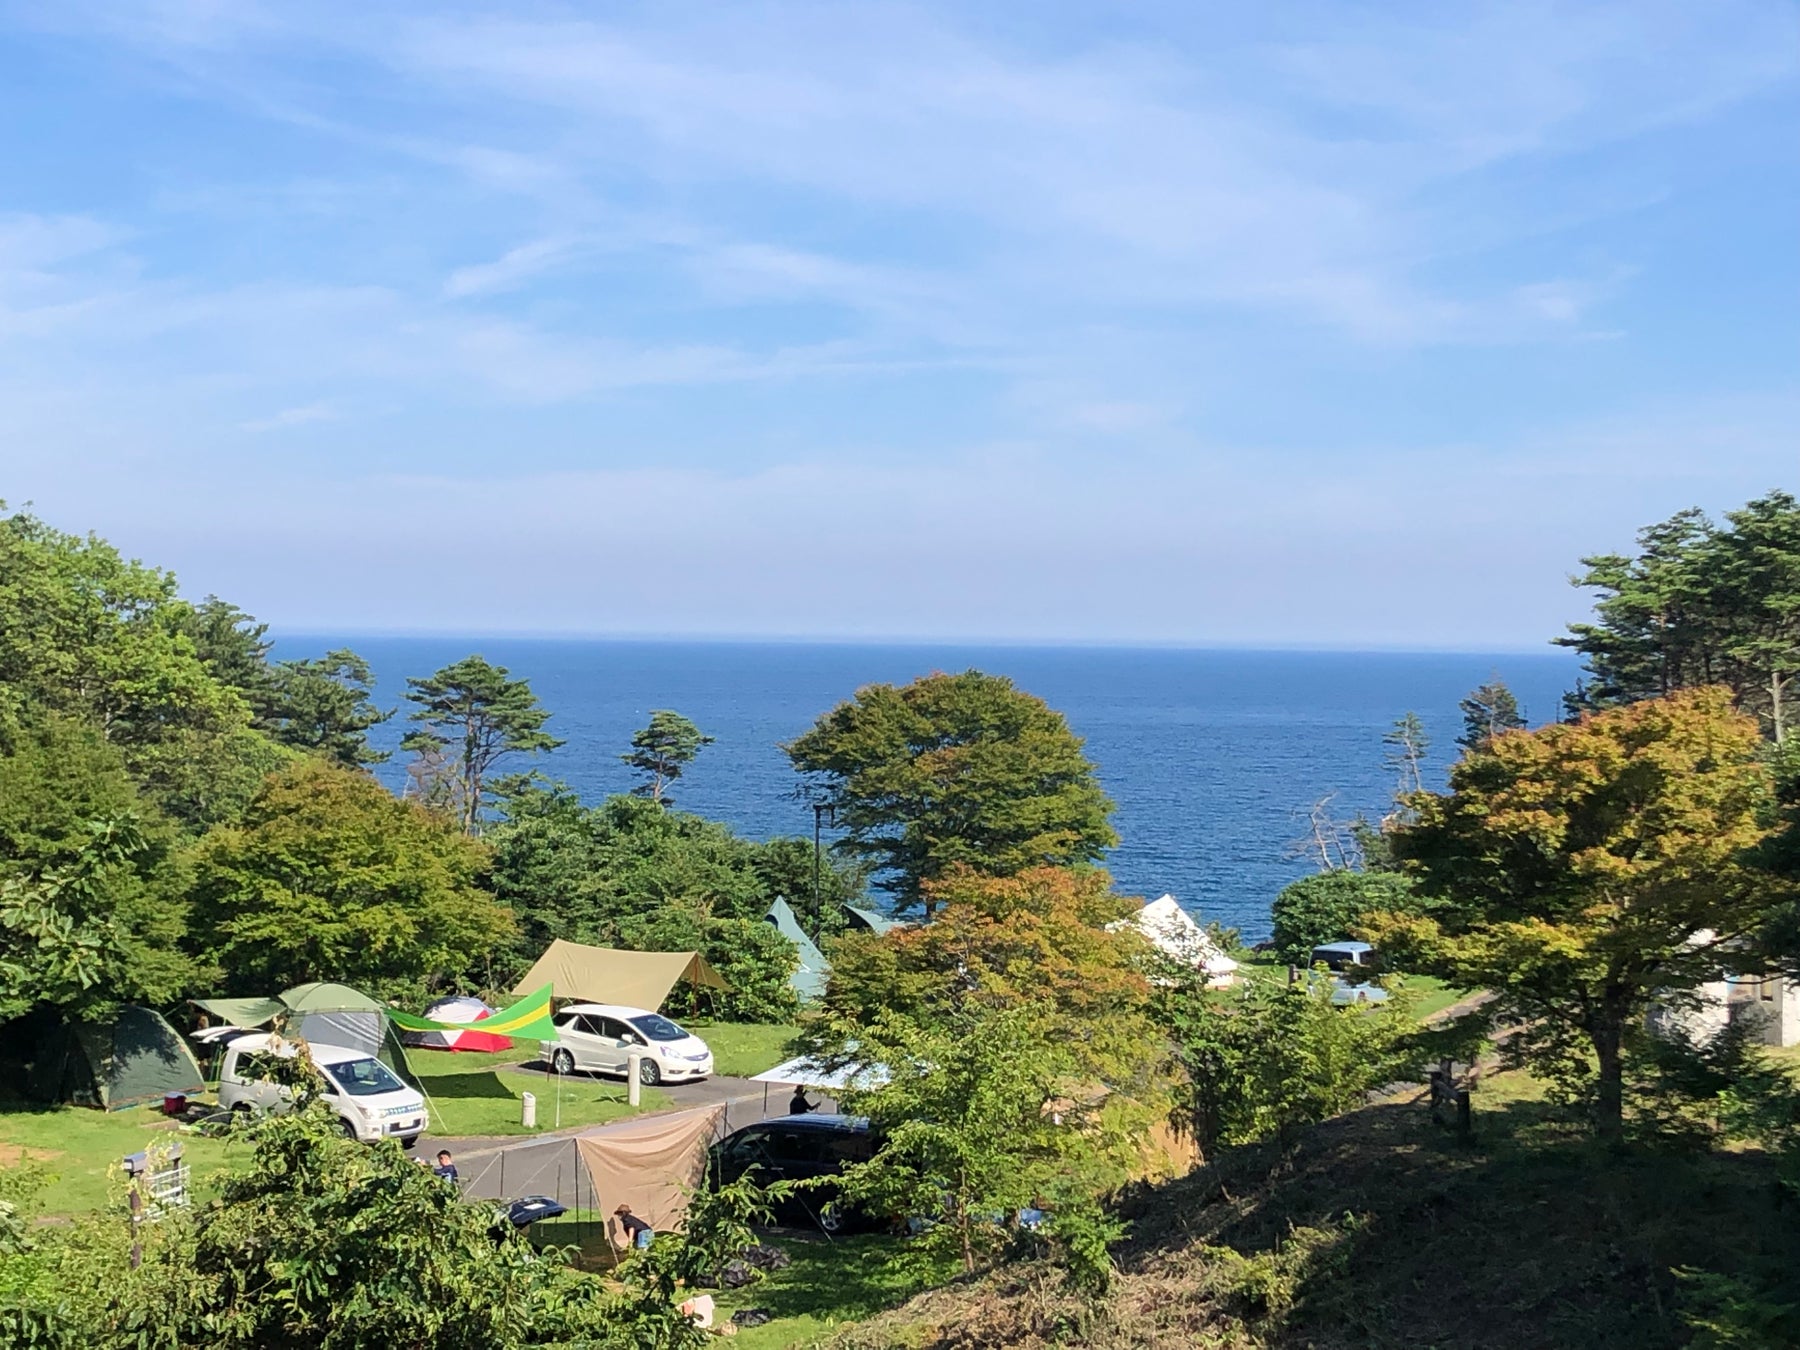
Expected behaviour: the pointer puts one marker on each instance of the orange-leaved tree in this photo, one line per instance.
(1039, 937)
(1583, 870)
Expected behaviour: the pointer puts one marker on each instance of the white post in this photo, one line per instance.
(634, 1063)
(528, 1110)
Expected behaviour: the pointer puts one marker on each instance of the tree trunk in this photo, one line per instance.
(1609, 1086)
(1776, 687)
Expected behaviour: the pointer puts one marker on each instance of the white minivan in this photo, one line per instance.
(598, 1037)
(371, 1102)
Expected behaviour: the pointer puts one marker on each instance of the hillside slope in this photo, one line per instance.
(1381, 1230)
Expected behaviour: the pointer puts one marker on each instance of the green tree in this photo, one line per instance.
(317, 1242)
(1581, 870)
(87, 634)
(981, 1123)
(1265, 1063)
(1654, 632)
(472, 716)
(1488, 710)
(661, 751)
(1699, 604)
(954, 770)
(89, 881)
(631, 873)
(1332, 905)
(233, 647)
(325, 705)
(330, 877)
(1756, 580)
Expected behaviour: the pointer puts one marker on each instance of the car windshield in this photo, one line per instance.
(364, 1077)
(658, 1028)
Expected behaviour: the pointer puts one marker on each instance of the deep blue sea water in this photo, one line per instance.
(1213, 756)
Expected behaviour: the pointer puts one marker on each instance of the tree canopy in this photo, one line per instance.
(471, 716)
(1582, 870)
(954, 771)
(661, 751)
(1332, 905)
(1698, 604)
(330, 877)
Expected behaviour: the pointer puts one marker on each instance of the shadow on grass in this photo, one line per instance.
(464, 1086)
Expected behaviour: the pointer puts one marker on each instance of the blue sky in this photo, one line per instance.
(1328, 324)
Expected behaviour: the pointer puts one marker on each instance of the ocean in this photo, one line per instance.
(1213, 756)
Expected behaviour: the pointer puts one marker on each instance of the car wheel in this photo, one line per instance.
(831, 1220)
(346, 1129)
(408, 1141)
(649, 1072)
(563, 1062)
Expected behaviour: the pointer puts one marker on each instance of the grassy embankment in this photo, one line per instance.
(1382, 1230)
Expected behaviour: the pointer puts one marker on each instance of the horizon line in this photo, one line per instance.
(1298, 647)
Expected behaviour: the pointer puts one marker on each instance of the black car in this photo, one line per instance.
(799, 1148)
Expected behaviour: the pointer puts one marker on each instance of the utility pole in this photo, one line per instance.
(820, 811)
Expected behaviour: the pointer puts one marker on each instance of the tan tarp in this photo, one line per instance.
(651, 1164)
(607, 975)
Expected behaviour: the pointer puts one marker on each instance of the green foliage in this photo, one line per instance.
(1487, 711)
(954, 771)
(1263, 1063)
(1700, 1092)
(91, 904)
(1329, 906)
(1699, 604)
(986, 1115)
(661, 751)
(322, 1242)
(1728, 1312)
(330, 877)
(89, 636)
(632, 873)
(1583, 869)
(325, 706)
(471, 717)
(1044, 939)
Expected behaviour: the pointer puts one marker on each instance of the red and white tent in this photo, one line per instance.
(458, 1008)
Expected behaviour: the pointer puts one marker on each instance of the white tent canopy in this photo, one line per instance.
(1173, 932)
(808, 1072)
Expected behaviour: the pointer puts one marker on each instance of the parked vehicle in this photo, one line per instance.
(800, 1148)
(370, 1101)
(598, 1038)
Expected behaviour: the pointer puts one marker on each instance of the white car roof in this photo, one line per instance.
(287, 1048)
(608, 1010)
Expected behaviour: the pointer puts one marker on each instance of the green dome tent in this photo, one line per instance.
(324, 1014)
(124, 1060)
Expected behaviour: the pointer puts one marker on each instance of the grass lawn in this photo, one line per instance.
(828, 1285)
(1431, 995)
(741, 1049)
(477, 1093)
(75, 1148)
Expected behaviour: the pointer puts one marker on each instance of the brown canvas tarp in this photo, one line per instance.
(651, 1164)
(608, 975)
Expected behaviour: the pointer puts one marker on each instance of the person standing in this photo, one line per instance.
(799, 1106)
(446, 1166)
